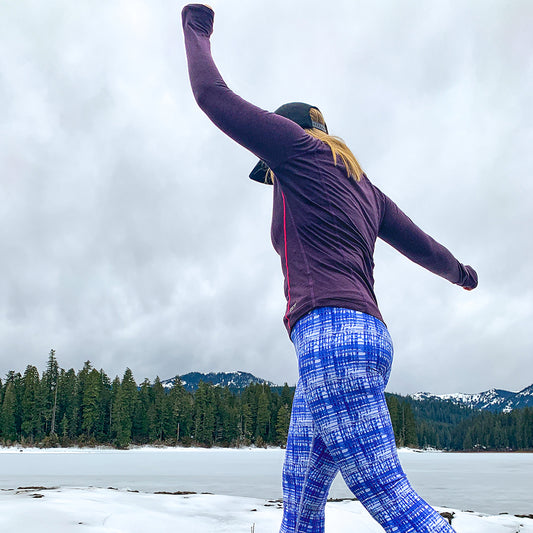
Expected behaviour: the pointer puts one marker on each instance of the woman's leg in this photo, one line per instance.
(308, 471)
(344, 358)
(358, 433)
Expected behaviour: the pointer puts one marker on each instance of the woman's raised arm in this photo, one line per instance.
(270, 137)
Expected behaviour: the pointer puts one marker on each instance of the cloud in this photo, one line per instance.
(131, 235)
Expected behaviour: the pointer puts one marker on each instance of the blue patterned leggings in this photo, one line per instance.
(340, 421)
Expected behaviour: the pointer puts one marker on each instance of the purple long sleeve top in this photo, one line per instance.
(324, 224)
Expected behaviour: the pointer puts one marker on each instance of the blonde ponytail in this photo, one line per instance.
(337, 146)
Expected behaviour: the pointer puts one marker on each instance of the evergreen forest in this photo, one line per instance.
(68, 408)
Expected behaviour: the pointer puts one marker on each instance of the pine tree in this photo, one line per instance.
(103, 425)
(208, 432)
(144, 413)
(394, 412)
(246, 421)
(263, 418)
(282, 425)
(287, 395)
(90, 406)
(250, 397)
(50, 382)
(168, 425)
(159, 418)
(7, 414)
(204, 414)
(229, 417)
(131, 394)
(120, 422)
(63, 429)
(82, 379)
(31, 408)
(68, 405)
(467, 442)
(181, 403)
(409, 426)
(122, 410)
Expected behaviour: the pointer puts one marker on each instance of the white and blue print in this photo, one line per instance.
(340, 421)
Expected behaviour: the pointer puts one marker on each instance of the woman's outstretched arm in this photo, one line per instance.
(269, 136)
(398, 230)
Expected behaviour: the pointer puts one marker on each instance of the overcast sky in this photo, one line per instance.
(131, 236)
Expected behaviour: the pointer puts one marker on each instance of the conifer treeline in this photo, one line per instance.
(443, 425)
(87, 408)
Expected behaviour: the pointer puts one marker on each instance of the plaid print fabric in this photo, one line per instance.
(340, 421)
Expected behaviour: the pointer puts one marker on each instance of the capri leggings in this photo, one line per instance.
(340, 421)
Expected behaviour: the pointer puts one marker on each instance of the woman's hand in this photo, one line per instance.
(201, 5)
(198, 18)
(473, 279)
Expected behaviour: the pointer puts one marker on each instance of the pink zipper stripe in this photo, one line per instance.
(286, 261)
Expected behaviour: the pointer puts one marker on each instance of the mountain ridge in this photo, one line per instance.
(235, 381)
(495, 400)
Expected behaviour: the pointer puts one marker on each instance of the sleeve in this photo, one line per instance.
(269, 136)
(398, 230)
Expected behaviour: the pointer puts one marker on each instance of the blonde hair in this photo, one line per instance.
(337, 146)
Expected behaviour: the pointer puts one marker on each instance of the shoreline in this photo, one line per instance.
(154, 447)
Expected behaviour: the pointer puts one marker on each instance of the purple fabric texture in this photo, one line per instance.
(324, 224)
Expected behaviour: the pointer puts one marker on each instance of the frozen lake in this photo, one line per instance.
(491, 482)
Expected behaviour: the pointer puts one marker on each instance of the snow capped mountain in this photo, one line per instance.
(496, 400)
(234, 380)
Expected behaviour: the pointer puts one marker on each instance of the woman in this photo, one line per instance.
(326, 218)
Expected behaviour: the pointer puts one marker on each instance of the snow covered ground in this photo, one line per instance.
(100, 510)
(75, 496)
(488, 482)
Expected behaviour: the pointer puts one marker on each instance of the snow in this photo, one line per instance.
(485, 482)
(146, 449)
(69, 503)
(107, 510)
(167, 449)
